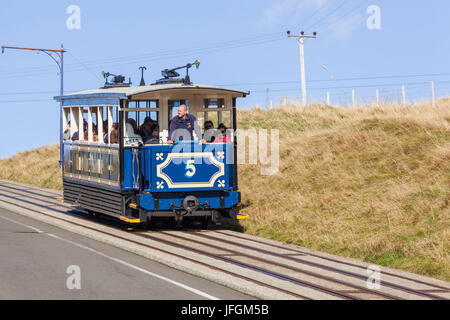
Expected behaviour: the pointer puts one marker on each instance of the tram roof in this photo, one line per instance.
(117, 93)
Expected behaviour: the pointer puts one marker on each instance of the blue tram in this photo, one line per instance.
(109, 169)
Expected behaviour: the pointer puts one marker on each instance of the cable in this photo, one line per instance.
(286, 82)
(14, 101)
(354, 87)
(329, 14)
(188, 51)
(326, 27)
(342, 79)
(89, 70)
(259, 42)
(315, 12)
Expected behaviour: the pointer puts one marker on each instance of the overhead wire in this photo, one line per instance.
(310, 27)
(224, 45)
(314, 13)
(327, 26)
(183, 54)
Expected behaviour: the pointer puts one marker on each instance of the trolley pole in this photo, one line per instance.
(301, 39)
(60, 63)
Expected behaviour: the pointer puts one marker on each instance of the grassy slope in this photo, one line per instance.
(370, 183)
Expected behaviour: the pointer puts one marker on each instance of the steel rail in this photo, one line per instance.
(398, 287)
(152, 247)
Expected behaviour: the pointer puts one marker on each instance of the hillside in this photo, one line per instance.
(367, 183)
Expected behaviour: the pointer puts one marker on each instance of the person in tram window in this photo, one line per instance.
(132, 122)
(154, 139)
(210, 134)
(75, 136)
(146, 129)
(95, 133)
(105, 131)
(183, 126)
(132, 138)
(66, 135)
(114, 136)
(224, 138)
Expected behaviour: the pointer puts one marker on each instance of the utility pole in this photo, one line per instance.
(60, 63)
(301, 39)
(433, 97)
(403, 95)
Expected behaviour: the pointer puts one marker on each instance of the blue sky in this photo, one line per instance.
(241, 44)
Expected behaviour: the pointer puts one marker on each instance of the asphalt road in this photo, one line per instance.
(39, 261)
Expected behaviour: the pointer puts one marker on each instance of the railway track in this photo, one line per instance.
(293, 272)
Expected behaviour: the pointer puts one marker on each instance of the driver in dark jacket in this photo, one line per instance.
(184, 121)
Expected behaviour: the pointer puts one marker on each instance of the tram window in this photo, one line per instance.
(144, 121)
(226, 119)
(217, 117)
(67, 132)
(76, 123)
(144, 116)
(213, 103)
(148, 104)
(93, 127)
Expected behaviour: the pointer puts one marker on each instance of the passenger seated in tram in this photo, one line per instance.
(105, 131)
(210, 134)
(66, 135)
(133, 124)
(76, 135)
(95, 133)
(224, 138)
(154, 139)
(146, 129)
(132, 138)
(114, 136)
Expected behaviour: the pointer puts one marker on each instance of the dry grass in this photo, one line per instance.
(371, 183)
(39, 167)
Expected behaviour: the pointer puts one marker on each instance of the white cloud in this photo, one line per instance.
(343, 28)
(291, 10)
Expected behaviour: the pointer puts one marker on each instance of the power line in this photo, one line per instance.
(184, 54)
(275, 83)
(360, 86)
(34, 100)
(314, 14)
(327, 26)
(328, 15)
(225, 45)
(341, 79)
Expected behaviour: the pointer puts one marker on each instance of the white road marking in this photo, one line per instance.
(176, 283)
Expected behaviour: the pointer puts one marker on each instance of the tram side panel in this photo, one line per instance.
(91, 178)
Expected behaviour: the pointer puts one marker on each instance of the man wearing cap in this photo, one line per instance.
(183, 126)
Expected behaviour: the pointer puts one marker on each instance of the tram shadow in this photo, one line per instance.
(223, 223)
